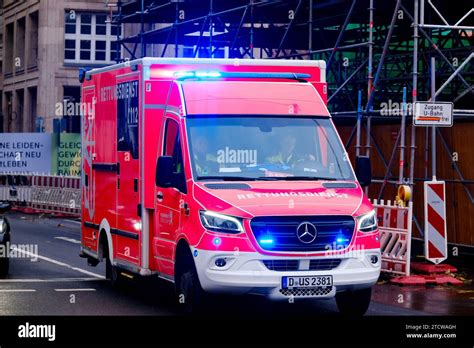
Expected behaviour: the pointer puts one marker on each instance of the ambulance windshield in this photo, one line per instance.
(266, 148)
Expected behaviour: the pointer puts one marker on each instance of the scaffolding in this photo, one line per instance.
(376, 52)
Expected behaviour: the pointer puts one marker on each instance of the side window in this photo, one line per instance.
(127, 117)
(172, 145)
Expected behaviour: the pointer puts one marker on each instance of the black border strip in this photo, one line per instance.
(115, 231)
(105, 167)
(123, 233)
(91, 225)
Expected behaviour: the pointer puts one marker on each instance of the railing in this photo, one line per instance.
(42, 192)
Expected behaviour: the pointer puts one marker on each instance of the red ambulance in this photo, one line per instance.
(224, 176)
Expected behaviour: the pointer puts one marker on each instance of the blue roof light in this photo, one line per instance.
(180, 74)
(198, 74)
(208, 74)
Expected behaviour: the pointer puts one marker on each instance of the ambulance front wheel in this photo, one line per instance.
(354, 303)
(189, 294)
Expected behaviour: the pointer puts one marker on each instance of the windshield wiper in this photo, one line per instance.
(262, 178)
(299, 177)
(225, 178)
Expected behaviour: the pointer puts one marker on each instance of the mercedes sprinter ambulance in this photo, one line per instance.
(224, 176)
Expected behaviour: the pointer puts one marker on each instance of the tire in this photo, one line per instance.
(354, 303)
(4, 266)
(190, 296)
(112, 273)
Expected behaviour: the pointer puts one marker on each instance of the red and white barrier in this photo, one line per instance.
(59, 194)
(48, 193)
(436, 244)
(395, 224)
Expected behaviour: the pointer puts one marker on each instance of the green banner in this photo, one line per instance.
(69, 154)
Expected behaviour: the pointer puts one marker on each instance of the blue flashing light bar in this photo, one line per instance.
(183, 75)
(208, 74)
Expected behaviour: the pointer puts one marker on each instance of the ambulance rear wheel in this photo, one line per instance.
(354, 303)
(112, 273)
(4, 266)
(189, 293)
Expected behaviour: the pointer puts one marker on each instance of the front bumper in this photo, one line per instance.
(245, 272)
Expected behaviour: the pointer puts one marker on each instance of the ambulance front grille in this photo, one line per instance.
(279, 233)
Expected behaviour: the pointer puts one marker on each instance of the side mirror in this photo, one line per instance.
(164, 171)
(363, 170)
(4, 207)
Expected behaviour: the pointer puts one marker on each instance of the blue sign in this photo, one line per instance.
(26, 152)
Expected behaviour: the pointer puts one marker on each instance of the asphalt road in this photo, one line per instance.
(59, 282)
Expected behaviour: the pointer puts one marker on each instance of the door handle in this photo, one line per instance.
(185, 208)
(159, 196)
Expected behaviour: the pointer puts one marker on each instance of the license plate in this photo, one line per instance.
(306, 282)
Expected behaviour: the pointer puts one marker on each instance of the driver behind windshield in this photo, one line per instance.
(203, 159)
(287, 154)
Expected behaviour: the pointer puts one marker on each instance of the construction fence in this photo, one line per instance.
(62, 195)
(42, 193)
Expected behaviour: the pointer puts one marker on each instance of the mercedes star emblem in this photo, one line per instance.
(306, 232)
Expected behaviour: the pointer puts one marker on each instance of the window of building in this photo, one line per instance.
(32, 54)
(221, 52)
(20, 45)
(71, 109)
(90, 38)
(8, 49)
(127, 117)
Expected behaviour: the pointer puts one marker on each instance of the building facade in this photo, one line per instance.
(45, 42)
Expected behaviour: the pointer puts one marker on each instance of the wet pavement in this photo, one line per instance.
(432, 299)
(33, 287)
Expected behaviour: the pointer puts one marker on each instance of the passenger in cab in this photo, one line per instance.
(287, 154)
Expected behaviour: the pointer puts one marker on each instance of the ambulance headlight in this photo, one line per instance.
(216, 222)
(367, 222)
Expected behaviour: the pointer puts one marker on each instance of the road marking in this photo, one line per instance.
(74, 290)
(74, 221)
(59, 263)
(17, 290)
(53, 280)
(71, 240)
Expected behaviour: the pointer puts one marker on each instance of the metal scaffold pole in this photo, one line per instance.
(211, 27)
(433, 128)
(402, 137)
(142, 29)
(310, 27)
(359, 117)
(414, 91)
(251, 28)
(369, 82)
(370, 78)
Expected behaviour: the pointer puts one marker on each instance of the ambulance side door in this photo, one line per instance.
(128, 229)
(168, 199)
